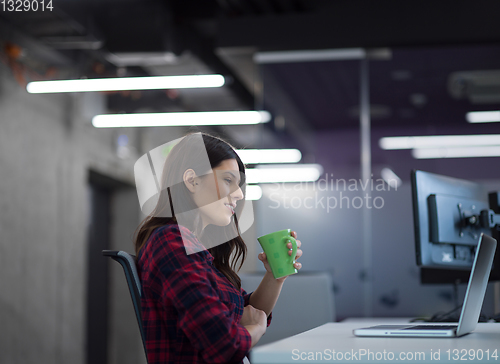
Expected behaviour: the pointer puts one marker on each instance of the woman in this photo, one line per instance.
(194, 309)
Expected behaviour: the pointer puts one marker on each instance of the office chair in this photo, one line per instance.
(127, 261)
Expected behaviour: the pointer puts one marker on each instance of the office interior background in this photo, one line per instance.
(320, 68)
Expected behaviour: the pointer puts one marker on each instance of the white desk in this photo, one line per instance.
(335, 340)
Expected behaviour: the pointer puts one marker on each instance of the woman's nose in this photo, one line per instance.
(237, 194)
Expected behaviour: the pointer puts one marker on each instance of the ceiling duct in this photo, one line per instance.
(479, 87)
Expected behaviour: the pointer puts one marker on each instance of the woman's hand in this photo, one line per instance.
(255, 321)
(253, 316)
(263, 258)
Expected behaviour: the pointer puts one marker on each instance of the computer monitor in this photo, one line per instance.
(449, 216)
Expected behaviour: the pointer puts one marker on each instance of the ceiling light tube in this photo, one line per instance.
(483, 116)
(253, 192)
(126, 83)
(287, 174)
(435, 141)
(310, 55)
(180, 119)
(469, 152)
(257, 156)
(391, 178)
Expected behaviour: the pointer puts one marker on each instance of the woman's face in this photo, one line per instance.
(216, 194)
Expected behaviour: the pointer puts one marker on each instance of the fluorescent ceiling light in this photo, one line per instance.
(253, 192)
(181, 119)
(75, 42)
(483, 116)
(341, 54)
(310, 55)
(126, 83)
(283, 174)
(467, 152)
(391, 178)
(256, 156)
(145, 59)
(436, 141)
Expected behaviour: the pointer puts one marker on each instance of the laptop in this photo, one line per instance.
(471, 307)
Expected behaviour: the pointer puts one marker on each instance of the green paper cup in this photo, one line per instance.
(274, 245)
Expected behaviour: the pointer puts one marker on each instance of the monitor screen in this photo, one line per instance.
(446, 212)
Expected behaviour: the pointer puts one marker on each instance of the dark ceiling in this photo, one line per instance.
(414, 86)
(427, 41)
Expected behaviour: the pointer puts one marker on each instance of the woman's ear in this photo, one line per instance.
(190, 180)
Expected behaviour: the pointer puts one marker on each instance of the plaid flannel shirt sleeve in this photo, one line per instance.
(246, 297)
(208, 322)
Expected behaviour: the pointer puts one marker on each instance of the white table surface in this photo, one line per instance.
(336, 340)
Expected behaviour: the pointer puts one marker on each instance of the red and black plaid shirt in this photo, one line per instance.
(190, 310)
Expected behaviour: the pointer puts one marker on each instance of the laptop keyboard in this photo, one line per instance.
(432, 327)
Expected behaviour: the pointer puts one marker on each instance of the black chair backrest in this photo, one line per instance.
(127, 261)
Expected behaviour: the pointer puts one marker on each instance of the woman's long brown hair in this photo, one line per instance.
(175, 165)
